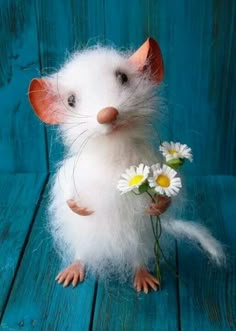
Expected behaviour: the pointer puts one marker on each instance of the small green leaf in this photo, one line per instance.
(144, 187)
(175, 163)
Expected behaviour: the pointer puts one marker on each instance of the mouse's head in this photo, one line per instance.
(100, 92)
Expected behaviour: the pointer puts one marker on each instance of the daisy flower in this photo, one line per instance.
(176, 151)
(133, 178)
(164, 180)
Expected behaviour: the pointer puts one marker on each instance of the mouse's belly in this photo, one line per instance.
(117, 233)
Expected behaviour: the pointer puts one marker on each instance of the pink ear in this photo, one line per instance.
(43, 102)
(149, 57)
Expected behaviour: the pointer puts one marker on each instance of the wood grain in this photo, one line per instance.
(119, 307)
(37, 302)
(198, 43)
(19, 195)
(208, 302)
(22, 143)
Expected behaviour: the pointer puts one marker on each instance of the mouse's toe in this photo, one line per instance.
(73, 274)
(143, 281)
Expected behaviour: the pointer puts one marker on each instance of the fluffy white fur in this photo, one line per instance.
(198, 234)
(118, 236)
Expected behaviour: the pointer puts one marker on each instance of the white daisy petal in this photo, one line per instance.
(175, 151)
(146, 171)
(168, 193)
(140, 168)
(155, 167)
(131, 171)
(133, 178)
(125, 176)
(164, 180)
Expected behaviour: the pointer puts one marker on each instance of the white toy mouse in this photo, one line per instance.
(103, 101)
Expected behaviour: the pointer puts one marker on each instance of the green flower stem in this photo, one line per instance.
(150, 196)
(157, 232)
(158, 227)
(158, 268)
(158, 250)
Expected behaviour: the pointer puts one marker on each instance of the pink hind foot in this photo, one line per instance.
(73, 274)
(143, 280)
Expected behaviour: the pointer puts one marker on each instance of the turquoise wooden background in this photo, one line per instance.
(197, 39)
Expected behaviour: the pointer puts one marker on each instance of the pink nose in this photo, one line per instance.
(107, 115)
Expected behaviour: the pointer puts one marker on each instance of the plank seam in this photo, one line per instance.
(177, 287)
(93, 306)
(38, 38)
(46, 148)
(24, 245)
(40, 69)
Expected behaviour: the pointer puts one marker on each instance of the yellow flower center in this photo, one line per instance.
(172, 151)
(163, 181)
(135, 180)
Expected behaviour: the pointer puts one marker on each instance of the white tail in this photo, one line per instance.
(197, 233)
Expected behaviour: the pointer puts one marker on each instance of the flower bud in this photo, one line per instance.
(175, 163)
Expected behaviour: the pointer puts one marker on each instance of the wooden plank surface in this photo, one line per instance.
(198, 41)
(19, 195)
(119, 307)
(208, 302)
(36, 301)
(22, 142)
(126, 23)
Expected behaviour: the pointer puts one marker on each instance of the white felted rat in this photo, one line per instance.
(102, 101)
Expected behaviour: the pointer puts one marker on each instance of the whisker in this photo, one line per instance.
(83, 145)
(133, 93)
(73, 126)
(78, 137)
(36, 91)
(68, 115)
(56, 111)
(146, 100)
(45, 70)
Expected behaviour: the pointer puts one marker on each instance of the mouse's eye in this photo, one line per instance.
(122, 77)
(71, 100)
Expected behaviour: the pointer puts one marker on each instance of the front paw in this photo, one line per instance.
(73, 274)
(77, 209)
(161, 204)
(143, 281)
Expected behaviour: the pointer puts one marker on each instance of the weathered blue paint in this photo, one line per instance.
(120, 307)
(208, 302)
(19, 195)
(36, 301)
(22, 143)
(198, 41)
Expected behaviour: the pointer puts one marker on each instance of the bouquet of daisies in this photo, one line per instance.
(160, 182)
